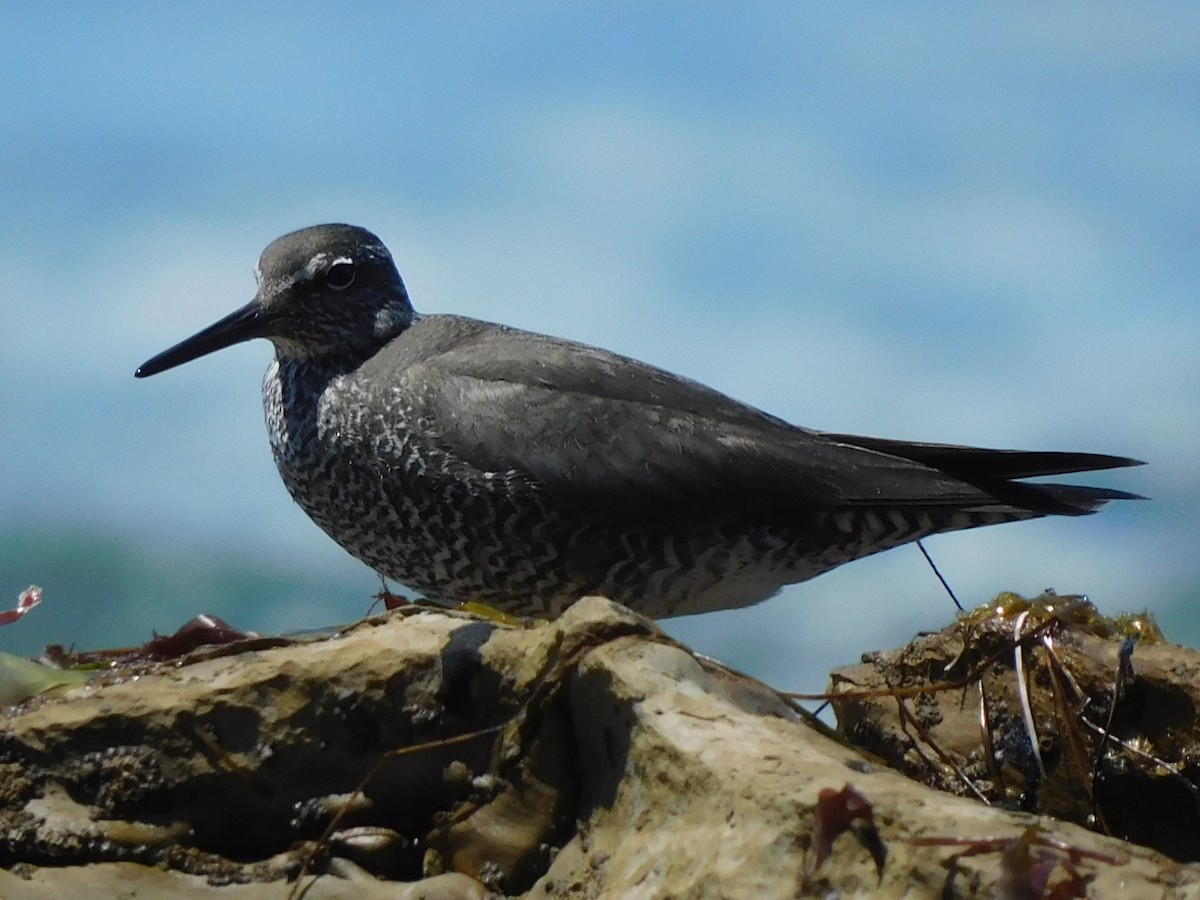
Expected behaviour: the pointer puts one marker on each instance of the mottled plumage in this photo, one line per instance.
(472, 461)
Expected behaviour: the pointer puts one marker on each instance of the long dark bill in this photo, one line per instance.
(249, 322)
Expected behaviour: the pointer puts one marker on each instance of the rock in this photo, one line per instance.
(1114, 707)
(587, 757)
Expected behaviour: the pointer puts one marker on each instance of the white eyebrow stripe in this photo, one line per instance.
(314, 265)
(322, 261)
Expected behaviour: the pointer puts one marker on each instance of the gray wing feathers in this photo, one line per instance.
(622, 441)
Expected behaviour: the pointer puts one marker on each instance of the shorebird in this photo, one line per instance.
(476, 462)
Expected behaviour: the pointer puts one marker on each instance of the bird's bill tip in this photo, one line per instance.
(243, 325)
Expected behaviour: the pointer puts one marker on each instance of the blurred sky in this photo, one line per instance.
(946, 223)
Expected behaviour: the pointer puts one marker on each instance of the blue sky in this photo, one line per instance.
(963, 225)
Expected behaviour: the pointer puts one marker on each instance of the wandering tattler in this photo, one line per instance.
(473, 461)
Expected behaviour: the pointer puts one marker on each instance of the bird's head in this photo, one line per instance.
(326, 292)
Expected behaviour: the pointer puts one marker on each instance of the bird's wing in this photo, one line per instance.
(622, 442)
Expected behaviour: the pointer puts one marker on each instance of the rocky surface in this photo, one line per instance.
(1114, 707)
(587, 757)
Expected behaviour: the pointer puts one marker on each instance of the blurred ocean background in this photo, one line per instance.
(958, 223)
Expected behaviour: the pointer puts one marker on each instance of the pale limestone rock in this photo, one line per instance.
(588, 757)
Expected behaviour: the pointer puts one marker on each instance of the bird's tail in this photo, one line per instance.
(998, 471)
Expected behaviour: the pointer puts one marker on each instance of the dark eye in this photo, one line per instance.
(340, 276)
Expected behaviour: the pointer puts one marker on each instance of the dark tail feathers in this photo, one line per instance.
(995, 470)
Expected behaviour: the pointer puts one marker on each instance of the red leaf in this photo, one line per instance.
(26, 600)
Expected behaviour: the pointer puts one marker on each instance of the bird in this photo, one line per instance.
(476, 462)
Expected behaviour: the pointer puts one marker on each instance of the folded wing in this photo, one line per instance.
(634, 446)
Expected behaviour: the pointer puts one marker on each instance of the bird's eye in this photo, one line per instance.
(340, 276)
